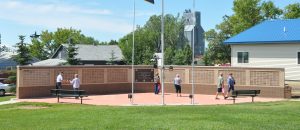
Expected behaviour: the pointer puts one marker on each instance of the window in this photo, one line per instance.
(243, 57)
(298, 57)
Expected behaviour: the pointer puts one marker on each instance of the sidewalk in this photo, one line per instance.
(150, 99)
(11, 101)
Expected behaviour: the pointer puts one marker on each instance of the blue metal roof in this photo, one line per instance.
(270, 31)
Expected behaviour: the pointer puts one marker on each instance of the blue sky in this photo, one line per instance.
(102, 19)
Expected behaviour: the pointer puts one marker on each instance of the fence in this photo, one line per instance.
(35, 81)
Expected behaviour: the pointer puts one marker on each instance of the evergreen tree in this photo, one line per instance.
(112, 58)
(23, 57)
(72, 52)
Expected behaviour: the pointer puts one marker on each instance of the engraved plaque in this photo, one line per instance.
(144, 75)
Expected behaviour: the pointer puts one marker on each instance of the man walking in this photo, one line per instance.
(231, 83)
(220, 86)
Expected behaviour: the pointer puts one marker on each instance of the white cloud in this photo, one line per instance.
(53, 15)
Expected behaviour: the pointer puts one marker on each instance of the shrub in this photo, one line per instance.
(12, 88)
(11, 80)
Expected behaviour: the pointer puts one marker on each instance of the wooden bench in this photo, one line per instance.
(252, 93)
(68, 93)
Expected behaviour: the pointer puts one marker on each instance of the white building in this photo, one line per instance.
(273, 44)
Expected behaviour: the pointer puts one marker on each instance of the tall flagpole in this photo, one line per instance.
(193, 64)
(132, 58)
(162, 51)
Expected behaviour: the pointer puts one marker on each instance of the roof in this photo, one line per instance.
(6, 59)
(50, 62)
(97, 52)
(270, 31)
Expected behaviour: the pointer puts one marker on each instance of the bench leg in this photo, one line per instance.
(252, 98)
(81, 100)
(233, 100)
(57, 98)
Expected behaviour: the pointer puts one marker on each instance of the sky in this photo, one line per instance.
(104, 20)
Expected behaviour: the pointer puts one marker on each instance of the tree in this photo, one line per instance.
(292, 11)
(147, 40)
(269, 11)
(72, 52)
(50, 41)
(246, 15)
(37, 49)
(23, 56)
(112, 58)
(113, 42)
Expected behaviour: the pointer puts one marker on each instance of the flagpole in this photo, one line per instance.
(132, 57)
(162, 51)
(193, 60)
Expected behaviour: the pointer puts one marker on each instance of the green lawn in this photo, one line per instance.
(6, 98)
(254, 116)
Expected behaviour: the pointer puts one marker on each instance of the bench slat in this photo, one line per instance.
(251, 93)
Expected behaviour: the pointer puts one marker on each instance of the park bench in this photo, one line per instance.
(252, 93)
(68, 93)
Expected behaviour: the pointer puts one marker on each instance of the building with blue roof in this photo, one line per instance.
(272, 43)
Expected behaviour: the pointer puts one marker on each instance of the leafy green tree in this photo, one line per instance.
(23, 57)
(37, 49)
(246, 15)
(183, 56)
(50, 41)
(292, 11)
(169, 55)
(112, 42)
(72, 52)
(270, 11)
(147, 40)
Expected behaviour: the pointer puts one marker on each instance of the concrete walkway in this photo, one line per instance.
(150, 99)
(11, 101)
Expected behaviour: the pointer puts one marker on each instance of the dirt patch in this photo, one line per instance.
(32, 107)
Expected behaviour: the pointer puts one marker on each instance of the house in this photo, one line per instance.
(6, 61)
(87, 55)
(272, 43)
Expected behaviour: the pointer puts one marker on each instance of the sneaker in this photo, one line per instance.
(217, 98)
(225, 98)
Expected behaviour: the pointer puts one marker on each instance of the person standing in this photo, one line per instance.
(76, 83)
(156, 83)
(220, 86)
(231, 83)
(177, 83)
(59, 79)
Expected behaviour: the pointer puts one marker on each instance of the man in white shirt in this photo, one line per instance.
(59, 79)
(75, 82)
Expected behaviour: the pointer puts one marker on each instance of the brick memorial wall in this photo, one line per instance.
(37, 81)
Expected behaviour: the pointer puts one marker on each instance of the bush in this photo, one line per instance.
(12, 88)
(11, 80)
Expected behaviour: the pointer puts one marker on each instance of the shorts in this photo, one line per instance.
(219, 90)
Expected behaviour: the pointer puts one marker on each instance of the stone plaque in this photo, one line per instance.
(144, 75)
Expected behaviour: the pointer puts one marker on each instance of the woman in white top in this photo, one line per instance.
(177, 83)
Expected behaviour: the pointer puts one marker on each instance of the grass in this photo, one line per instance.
(257, 116)
(6, 98)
